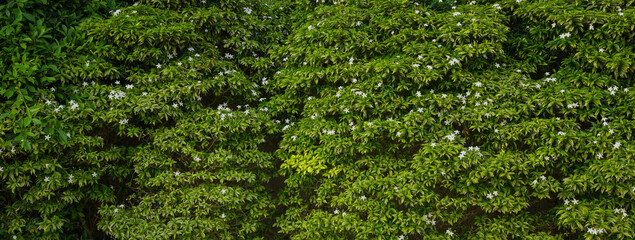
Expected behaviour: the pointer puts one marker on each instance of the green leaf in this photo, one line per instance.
(29, 17)
(34, 109)
(27, 121)
(26, 145)
(63, 136)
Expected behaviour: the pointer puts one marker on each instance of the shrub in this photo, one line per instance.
(384, 119)
(53, 171)
(488, 120)
(184, 87)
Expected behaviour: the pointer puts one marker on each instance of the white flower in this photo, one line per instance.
(46, 179)
(573, 105)
(594, 231)
(94, 174)
(177, 174)
(601, 50)
(222, 215)
(617, 145)
(449, 232)
(415, 65)
(456, 13)
(247, 10)
(223, 191)
(363, 197)
(450, 137)
(123, 121)
(47, 137)
(565, 35)
(561, 133)
(158, 65)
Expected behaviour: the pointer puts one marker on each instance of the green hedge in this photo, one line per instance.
(359, 119)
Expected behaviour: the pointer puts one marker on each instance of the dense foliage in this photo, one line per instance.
(359, 119)
(183, 89)
(54, 172)
(482, 121)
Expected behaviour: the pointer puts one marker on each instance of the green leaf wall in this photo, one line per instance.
(358, 119)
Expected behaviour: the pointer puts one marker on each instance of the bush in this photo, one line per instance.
(385, 119)
(184, 93)
(54, 173)
(489, 120)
